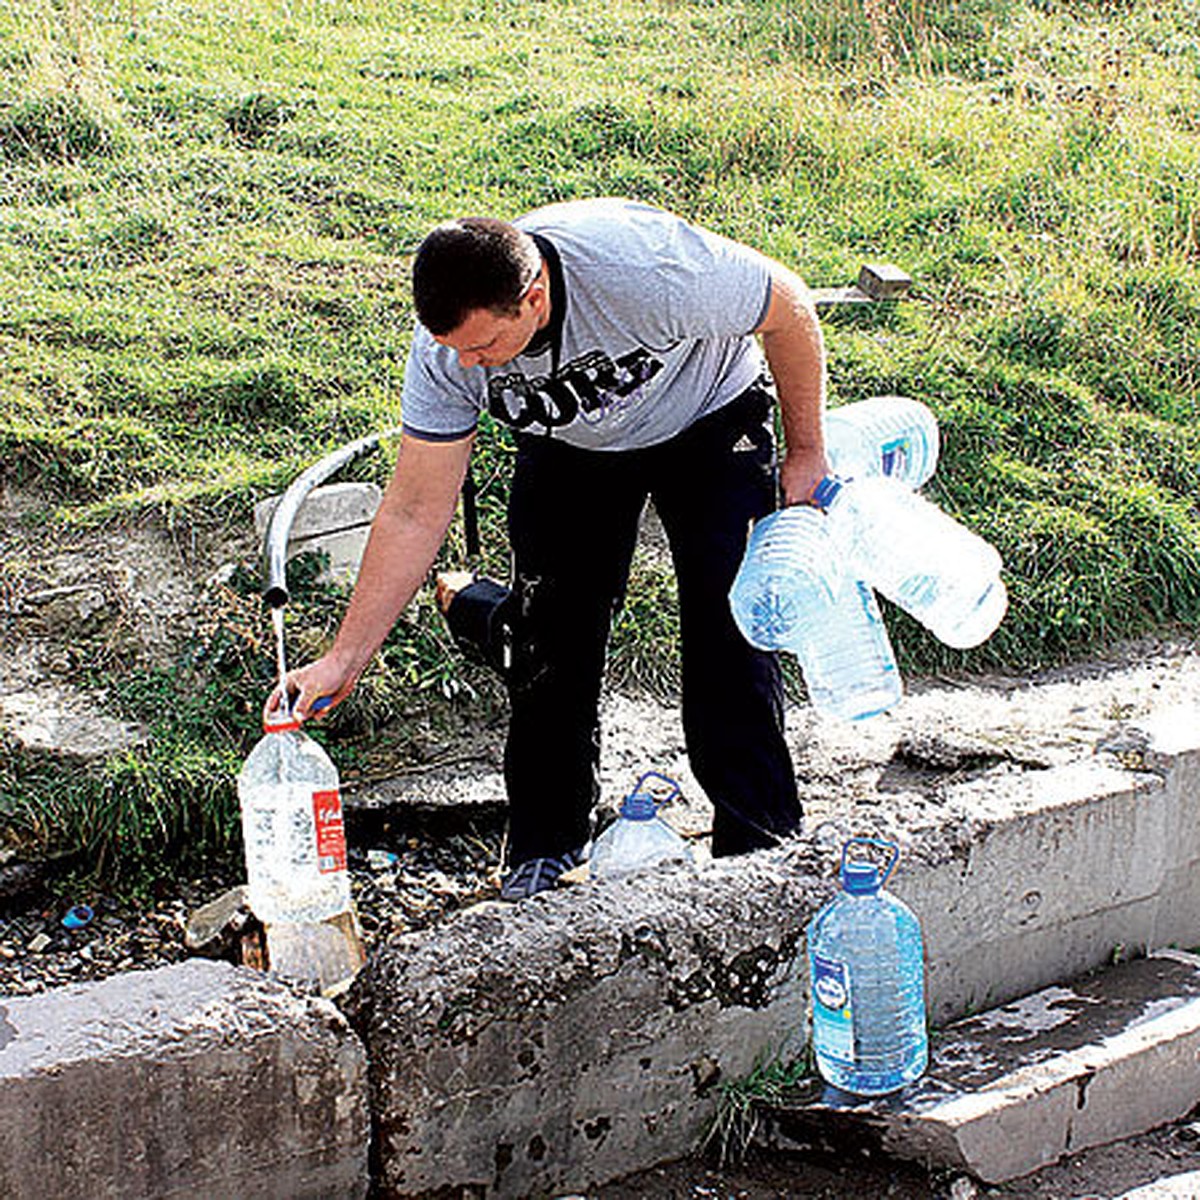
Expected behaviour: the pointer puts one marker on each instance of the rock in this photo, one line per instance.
(62, 720)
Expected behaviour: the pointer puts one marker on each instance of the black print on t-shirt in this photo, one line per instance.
(589, 387)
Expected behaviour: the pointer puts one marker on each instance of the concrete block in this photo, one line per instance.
(334, 519)
(196, 1080)
(579, 1036)
(1054, 871)
(1012, 1090)
(537, 1048)
(325, 509)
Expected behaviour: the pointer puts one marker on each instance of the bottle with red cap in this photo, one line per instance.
(292, 827)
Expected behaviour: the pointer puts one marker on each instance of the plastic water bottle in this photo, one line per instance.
(866, 972)
(846, 657)
(790, 569)
(885, 435)
(639, 837)
(790, 594)
(293, 830)
(917, 556)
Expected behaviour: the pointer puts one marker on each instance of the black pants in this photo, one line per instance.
(573, 522)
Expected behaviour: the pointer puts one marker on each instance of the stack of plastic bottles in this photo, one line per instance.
(808, 578)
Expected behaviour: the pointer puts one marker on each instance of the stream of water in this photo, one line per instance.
(281, 657)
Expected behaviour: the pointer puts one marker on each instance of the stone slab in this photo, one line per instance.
(1013, 1089)
(334, 520)
(191, 1081)
(326, 509)
(62, 720)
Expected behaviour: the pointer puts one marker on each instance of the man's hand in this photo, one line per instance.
(313, 690)
(802, 469)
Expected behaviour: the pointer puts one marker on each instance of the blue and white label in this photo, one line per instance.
(894, 455)
(833, 1017)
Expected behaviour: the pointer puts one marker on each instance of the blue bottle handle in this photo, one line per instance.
(322, 703)
(675, 788)
(878, 844)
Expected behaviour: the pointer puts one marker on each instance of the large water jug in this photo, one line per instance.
(790, 594)
(920, 558)
(866, 973)
(639, 838)
(790, 569)
(884, 435)
(846, 656)
(292, 827)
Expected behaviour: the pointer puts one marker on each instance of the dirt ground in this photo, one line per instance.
(1103, 1173)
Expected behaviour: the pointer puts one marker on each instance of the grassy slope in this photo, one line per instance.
(206, 216)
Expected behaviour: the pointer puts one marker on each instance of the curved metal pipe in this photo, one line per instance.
(276, 593)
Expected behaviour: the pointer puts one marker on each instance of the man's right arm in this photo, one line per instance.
(408, 530)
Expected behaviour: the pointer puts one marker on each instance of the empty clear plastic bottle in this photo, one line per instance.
(790, 594)
(790, 569)
(639, 837)
(846, 656)
(917, 556)
(867, 978)
(884, 435)
(292, 827)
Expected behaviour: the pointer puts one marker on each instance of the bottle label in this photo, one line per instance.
(894, 456)
(833, 1018)
(330, 830)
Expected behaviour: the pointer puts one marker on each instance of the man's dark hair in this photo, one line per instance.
(472, 263)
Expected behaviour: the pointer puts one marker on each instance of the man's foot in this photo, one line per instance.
(539, 875)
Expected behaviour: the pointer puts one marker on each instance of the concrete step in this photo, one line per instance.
(1012, 1090)
(1172, 1187)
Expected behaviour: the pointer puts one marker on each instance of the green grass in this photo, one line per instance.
(209, 210)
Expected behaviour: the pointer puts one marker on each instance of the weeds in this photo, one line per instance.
(735, 1122)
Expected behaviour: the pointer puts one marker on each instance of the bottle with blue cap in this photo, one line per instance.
(639, 838)
(867, 979)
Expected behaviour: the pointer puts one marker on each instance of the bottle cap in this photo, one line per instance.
(639, 806)
(285, 724)
(826, 491)
(860, 878)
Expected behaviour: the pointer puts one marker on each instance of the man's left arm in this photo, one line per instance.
(795, 350)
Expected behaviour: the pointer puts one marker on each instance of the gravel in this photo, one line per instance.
(400, 884)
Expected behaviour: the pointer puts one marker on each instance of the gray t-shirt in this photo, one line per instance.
(656, 319)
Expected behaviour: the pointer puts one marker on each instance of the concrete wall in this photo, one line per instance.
(583, 1035)
(536, 1048)
(199, 1080)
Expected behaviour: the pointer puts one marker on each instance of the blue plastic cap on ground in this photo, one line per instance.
(77, 917)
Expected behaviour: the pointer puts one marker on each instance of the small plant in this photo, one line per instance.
(738, 1103)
